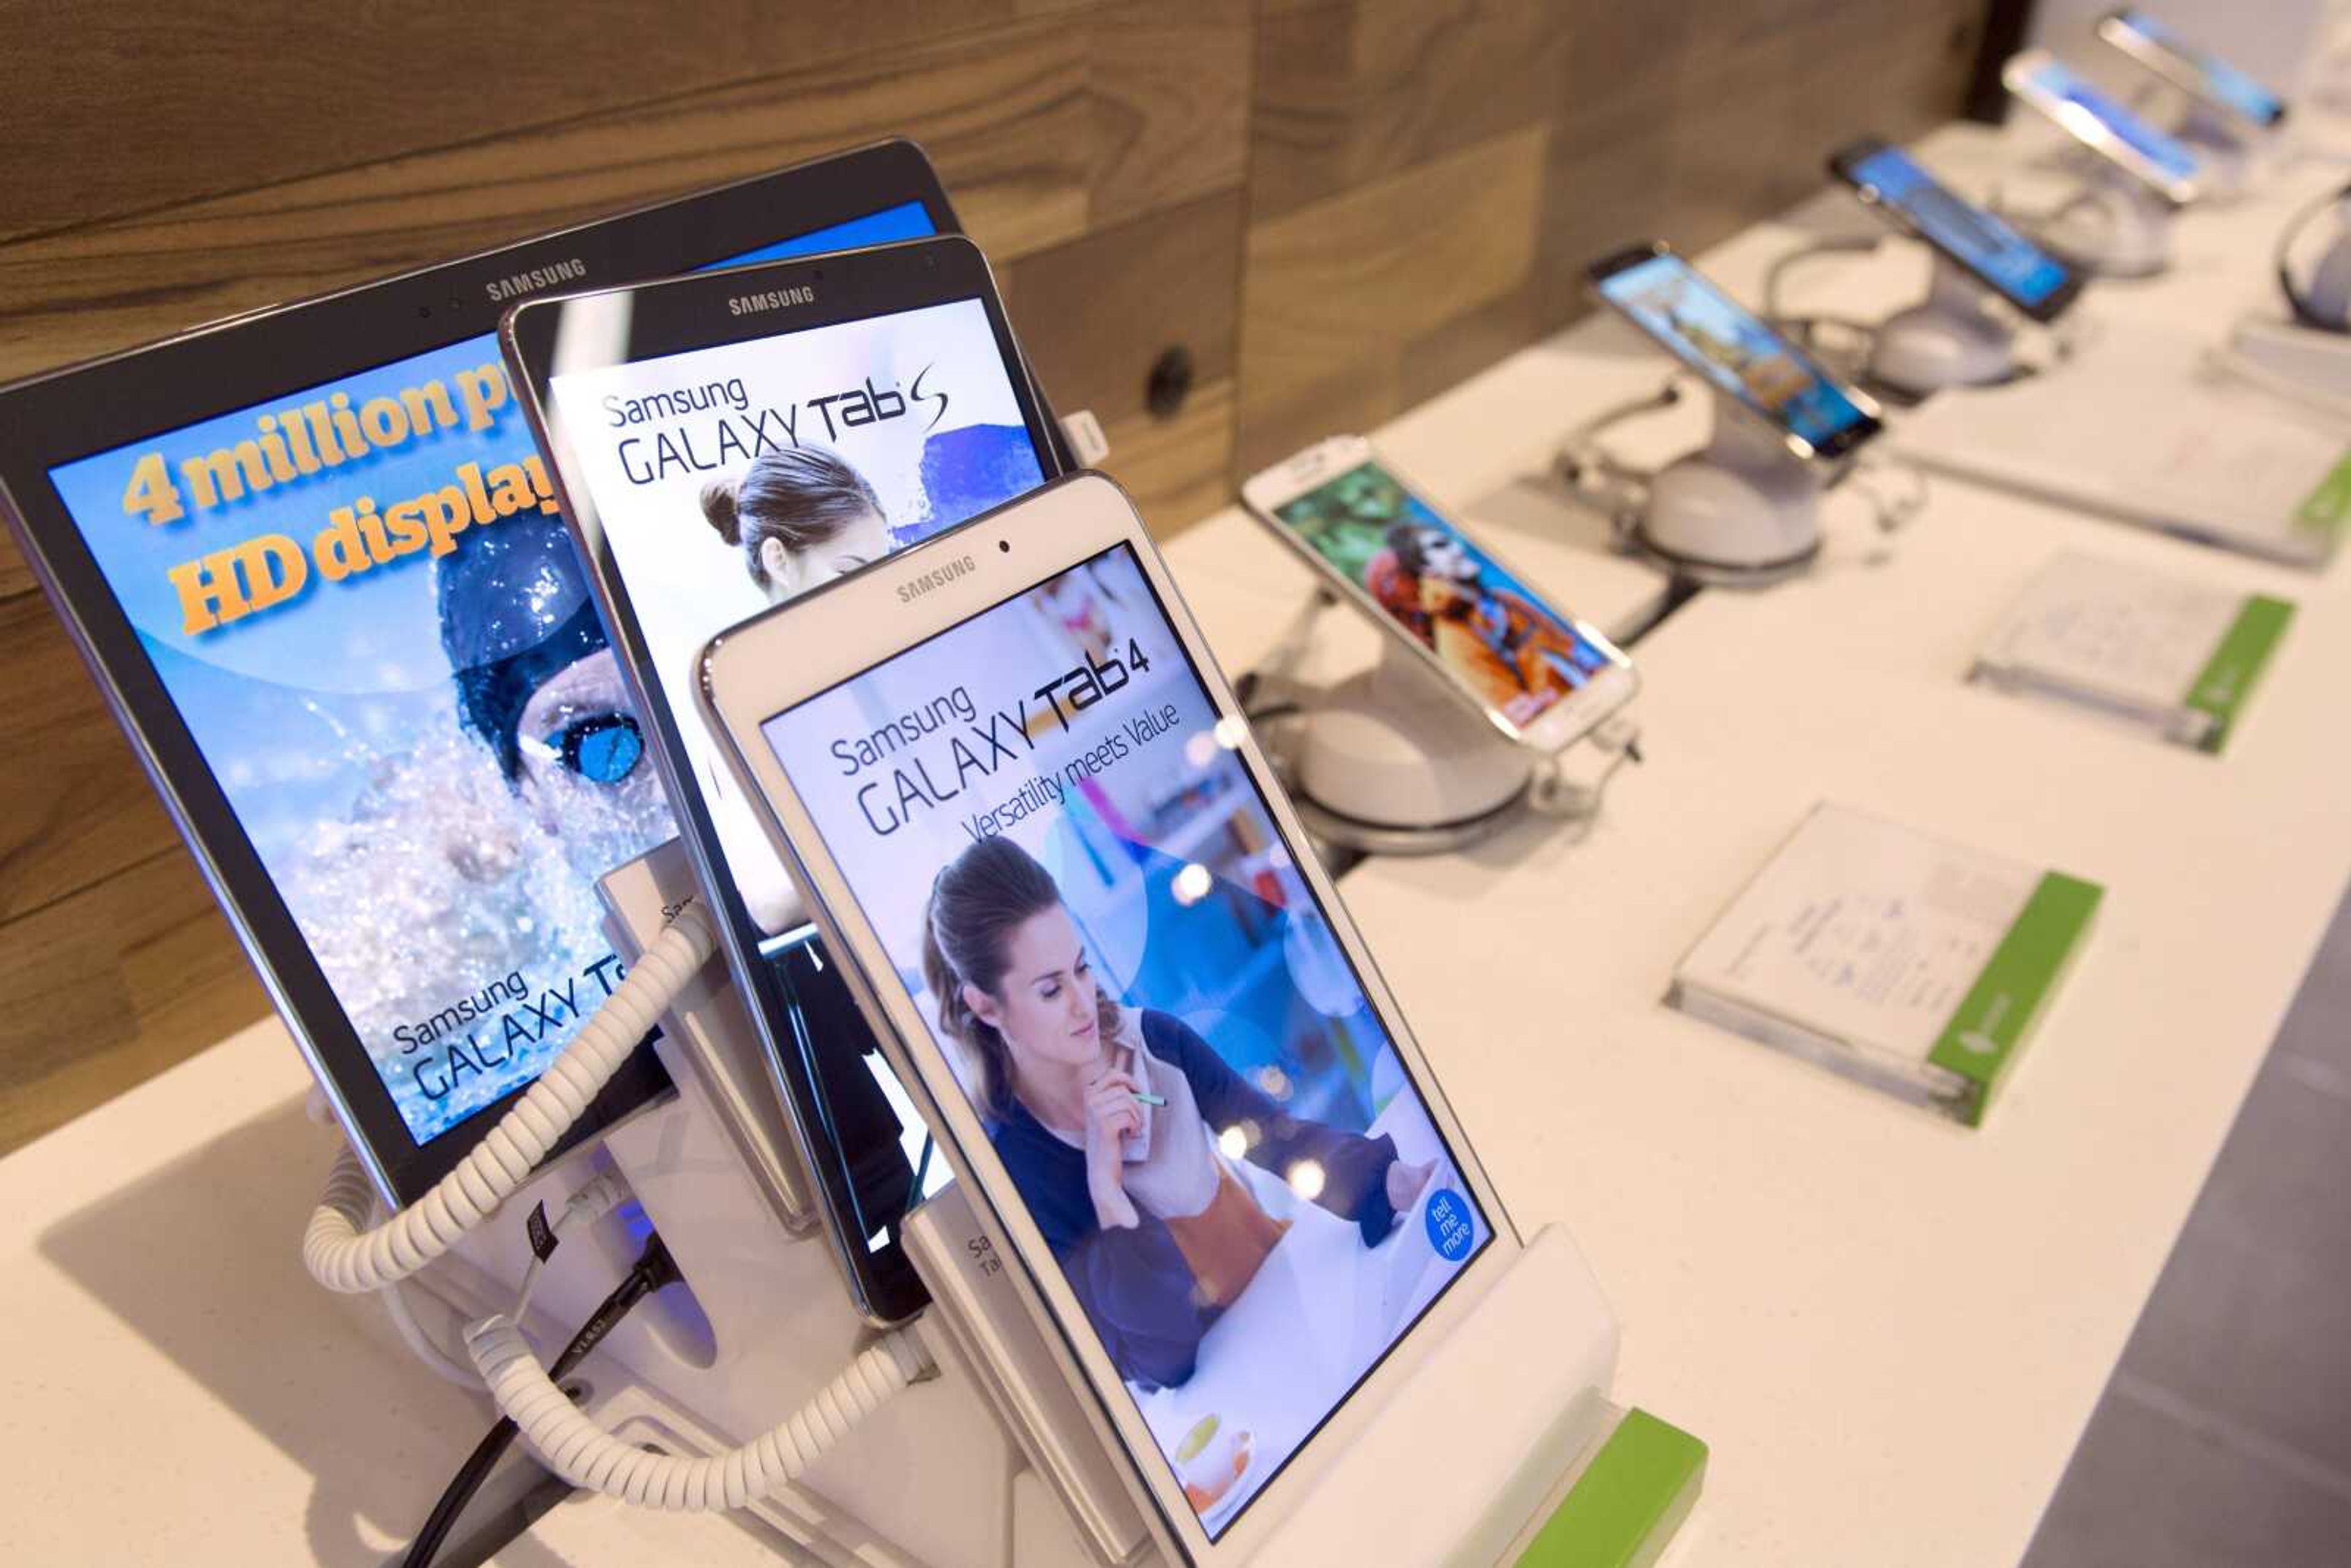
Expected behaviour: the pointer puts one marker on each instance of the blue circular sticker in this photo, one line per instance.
(1450, 1230)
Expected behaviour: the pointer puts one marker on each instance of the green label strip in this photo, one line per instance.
(2228, 677)
(1625, 1508)
(1981, 1041)
(2324, 510)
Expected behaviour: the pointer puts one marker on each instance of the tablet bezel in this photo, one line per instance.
(60, 415)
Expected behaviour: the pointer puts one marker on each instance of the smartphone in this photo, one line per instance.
(2093, 117)
(1981, 244)
(1543, 677)
(1038, 835)
(1817, 416)
(719, 444)
(2204, 76)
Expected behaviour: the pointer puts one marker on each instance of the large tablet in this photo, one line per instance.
(313, 559)
(1041, 837)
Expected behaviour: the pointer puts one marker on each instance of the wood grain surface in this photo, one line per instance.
(1322, 209)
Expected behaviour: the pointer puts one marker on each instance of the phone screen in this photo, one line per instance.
(2216, 80)
(1737, 351)
(1079, 886)
(2028, 276)
(1496, 636)
(734, 477)
(2089, 113)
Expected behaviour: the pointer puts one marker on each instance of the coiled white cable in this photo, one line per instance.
(587, 1456)
(342, 1257)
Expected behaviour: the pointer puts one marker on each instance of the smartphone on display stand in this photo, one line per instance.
(1815, 415)
(2203, 76)
(2094, 118)
(1541, 676)
(720, 444)
(1981, 244)
(1066, 884)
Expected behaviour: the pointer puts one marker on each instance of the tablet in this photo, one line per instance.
(312, 556)
(1070, 890)
(728, 442)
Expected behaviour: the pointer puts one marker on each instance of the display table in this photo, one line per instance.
(1891, 1330)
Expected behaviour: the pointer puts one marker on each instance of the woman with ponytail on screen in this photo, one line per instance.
(1114, 1122)
(801, 516)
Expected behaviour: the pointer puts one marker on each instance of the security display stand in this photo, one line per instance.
(2113, 226)
(1390, 760)
(1742, 511)
(1504, 1450)
(2232, 154)
(1956, 337)
(763, 1322)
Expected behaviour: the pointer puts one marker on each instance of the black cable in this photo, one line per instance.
(652, 1270)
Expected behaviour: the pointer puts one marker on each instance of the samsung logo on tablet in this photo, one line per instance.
(914, 587)
(773, 299)
(536, 278)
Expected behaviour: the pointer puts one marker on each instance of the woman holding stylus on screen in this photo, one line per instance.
(1108, 1118)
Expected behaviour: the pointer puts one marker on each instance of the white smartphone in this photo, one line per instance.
(2095, 118)
(1042, 844)
(2162, 49)
(1543, 677)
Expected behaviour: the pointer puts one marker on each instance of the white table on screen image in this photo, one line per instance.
(1851, 1302)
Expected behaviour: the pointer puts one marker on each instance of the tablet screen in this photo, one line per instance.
(362, 602)
(1040, 812)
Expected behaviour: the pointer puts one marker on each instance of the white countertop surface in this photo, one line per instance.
(1891, 1330)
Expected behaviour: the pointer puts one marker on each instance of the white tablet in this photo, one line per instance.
(1089, 928)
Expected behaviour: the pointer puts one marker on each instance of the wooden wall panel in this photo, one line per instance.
(1333, 207)
(205, 97)
(1384, 134)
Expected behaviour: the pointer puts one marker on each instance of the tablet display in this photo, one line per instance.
(357, 597)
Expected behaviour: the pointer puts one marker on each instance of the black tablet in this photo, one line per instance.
(395, 736)
(727, 441)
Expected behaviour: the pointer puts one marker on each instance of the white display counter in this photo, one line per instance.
(1891, 1330)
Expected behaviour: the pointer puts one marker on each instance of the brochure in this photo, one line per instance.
(1910, 964)
(2141, 646)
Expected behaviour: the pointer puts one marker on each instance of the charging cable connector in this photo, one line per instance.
(590, 1457)
(342, 1257)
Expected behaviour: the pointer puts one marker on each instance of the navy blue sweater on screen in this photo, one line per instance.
(1135, 1284)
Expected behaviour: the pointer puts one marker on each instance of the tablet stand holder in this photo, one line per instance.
(2232, 155)
(1504, 1450)
(2113, 226)
(1742, 511)
(1955, 337)
(1390, 760)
